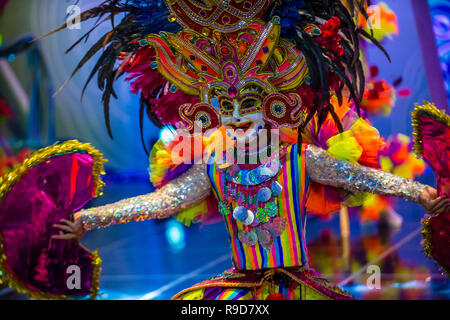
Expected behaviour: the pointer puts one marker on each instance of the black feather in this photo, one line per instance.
(142, 17)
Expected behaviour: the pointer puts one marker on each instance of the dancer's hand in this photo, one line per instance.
(69, 230)
(433, 204)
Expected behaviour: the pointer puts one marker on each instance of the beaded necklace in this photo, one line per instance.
(254, 191)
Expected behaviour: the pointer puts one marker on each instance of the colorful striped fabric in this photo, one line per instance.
(289, 292)
(234, 294)
(289, 249)
(298, 283)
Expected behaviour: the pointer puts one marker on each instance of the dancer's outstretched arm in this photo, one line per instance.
(355, 178)
(187, 190)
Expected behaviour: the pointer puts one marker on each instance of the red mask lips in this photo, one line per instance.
(243, 127)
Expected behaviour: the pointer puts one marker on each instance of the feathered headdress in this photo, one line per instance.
(308, 49)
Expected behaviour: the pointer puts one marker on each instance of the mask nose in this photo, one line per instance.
(236, 111)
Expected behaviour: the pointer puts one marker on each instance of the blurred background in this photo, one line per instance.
(156, 259)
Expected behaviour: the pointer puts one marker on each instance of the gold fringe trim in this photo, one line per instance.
(428, 247)
(426, 235)
(9, 279)
(14, 176)
(429, 110)
(97, 263)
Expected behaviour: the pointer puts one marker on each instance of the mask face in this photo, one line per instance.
(241, 114)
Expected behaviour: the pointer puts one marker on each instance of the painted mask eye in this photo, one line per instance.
(204, 119)
(201, 114)
(226, 108)
(250, 105)
(278, 109)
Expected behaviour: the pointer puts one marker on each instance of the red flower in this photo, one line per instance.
(5, 110)
(329, 37)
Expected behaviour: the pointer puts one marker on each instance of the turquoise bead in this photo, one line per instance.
(271, 209)
(308, 80)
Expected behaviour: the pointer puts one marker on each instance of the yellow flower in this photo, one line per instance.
(383, 20)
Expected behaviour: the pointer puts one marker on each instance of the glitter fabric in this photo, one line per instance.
(183, 192)
(330, 171)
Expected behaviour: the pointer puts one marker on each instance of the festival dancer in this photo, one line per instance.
(267, 77)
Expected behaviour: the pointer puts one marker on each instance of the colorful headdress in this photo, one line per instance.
(232, 62)
(208, 16)
(300, 53)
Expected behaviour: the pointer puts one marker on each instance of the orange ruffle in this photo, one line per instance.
(317, 202)
(360, 143)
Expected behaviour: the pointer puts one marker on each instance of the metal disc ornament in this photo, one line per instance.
(249, 238)
(250, 218)
(264, 194)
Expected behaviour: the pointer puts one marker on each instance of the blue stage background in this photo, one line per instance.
(85, 121)
(156, 259)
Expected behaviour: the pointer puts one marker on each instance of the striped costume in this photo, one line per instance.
(234, 68)
(280, 272)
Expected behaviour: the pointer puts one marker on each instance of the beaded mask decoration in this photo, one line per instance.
(206, 16)
(235, 62)
(223, 50)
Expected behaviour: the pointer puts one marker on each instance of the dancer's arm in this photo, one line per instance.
(355, 178)
(187, 190)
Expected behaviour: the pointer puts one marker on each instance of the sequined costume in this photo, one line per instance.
(275, 239)
(221, 72)
(195, 185)
(181, 193)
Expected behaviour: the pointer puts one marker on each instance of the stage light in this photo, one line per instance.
(358, 288)
(414, 284)
(175, 235)
(167, 134)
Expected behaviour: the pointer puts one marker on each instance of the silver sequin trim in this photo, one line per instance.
(181, 193)
(354, 178)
